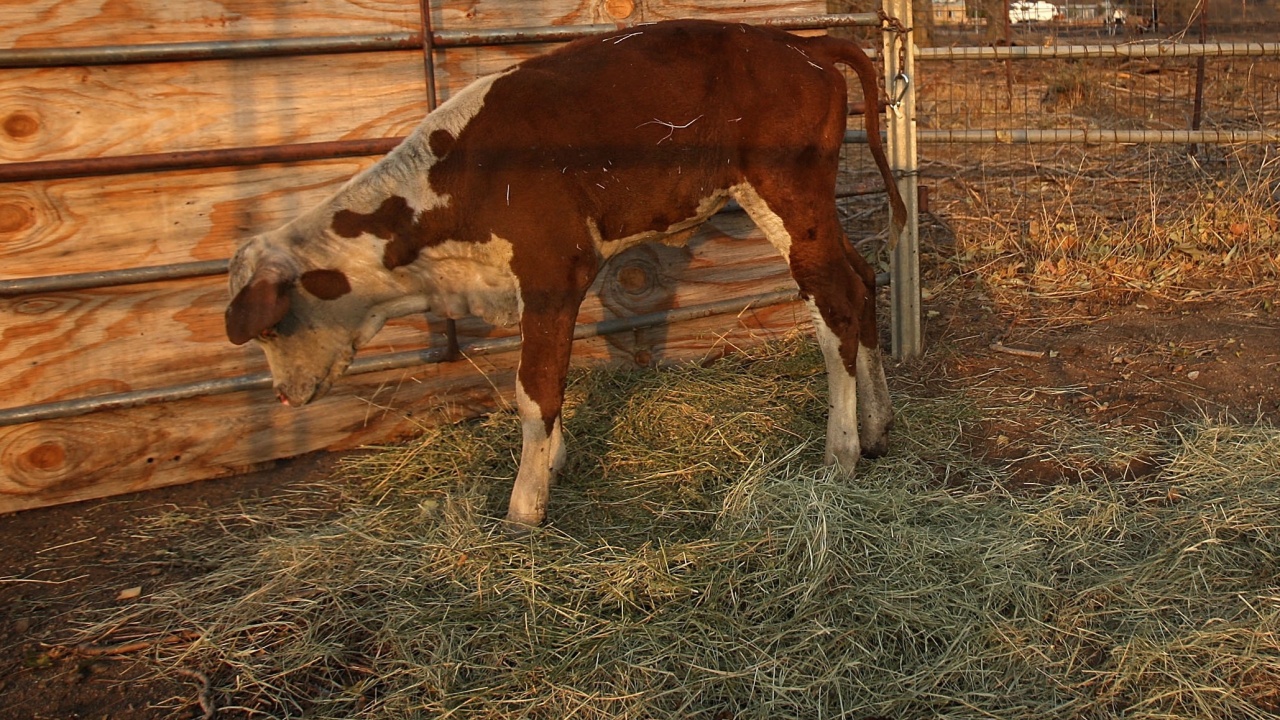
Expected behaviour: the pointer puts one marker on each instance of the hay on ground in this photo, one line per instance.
(701, 563)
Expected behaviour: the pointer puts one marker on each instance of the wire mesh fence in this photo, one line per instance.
(1074, 166)
(1098, 93)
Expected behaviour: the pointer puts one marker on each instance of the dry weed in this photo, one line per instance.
(1114, 229)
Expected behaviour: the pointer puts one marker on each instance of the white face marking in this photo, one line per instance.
(766, 219)
(470, 279)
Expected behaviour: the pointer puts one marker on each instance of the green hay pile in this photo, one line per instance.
(701, 563)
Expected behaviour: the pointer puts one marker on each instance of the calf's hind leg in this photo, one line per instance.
(875, 410)
(839, 289)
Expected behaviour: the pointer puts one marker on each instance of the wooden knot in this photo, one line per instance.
(47, 456)
(619, 9)
(21, 125)
(634, 278)
(640, 281)
(15, 217)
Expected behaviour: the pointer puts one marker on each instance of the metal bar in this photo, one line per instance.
(563, 33)
(205, 159)
(428, 53)
(119, 401)
(211, 50)
(1197, 107)
(1099, 137)
(899, 73)
(193, 159)
(340, 44)
(181, 271)
(110, 278)
(1153, 50)
(376, 363)
(451, 350)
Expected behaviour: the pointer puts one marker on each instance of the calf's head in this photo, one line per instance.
(308, 316)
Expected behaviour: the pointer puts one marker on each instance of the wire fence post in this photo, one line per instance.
(899, 82)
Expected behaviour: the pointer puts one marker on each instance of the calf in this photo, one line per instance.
(506, 201)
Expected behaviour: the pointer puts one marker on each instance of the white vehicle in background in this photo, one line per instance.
(1027, 11)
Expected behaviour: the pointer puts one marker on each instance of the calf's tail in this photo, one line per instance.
(849, 54)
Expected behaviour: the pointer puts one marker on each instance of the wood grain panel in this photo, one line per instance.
(68, 345)
(78, 344)
(123, 451)
(59, 113)
(470, 15)
(91, 224)
(93, 342)
(458, 66)
(65, 23)
(62, 23)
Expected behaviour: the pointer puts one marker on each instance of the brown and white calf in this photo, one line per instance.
(506, 201)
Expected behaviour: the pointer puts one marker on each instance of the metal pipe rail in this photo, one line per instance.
(1098, 137)
(1150, 50)
(184, 271)
(561, 33)
(111, 278)
(193, 159)
(332, 45)
(377, 363)
(210, 50)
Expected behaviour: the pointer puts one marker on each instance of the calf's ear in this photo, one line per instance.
(260, 304)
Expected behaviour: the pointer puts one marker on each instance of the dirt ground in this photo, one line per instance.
(1141, 363)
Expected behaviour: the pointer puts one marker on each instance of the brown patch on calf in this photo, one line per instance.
(326, 284)
(393, 221)
(440, 142)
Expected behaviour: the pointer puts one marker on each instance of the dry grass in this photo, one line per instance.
(1115, 226)
(702, 564)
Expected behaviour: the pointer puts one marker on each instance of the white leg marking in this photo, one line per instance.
(875, 409)
(541, 458)
(843, 446)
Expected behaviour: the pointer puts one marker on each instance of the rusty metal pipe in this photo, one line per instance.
(203, 268)
(1154, 50)
(210, 50)
(206, 159)
(389, 361)
(1099, 137)
(110, 278)
(564, 33)
(193, 159)
(333, 45)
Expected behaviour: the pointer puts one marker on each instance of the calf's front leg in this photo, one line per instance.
(547, 340)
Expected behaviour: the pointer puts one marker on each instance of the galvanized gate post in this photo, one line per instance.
(899, 83)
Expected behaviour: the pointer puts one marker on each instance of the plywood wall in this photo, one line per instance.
(87, 343)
